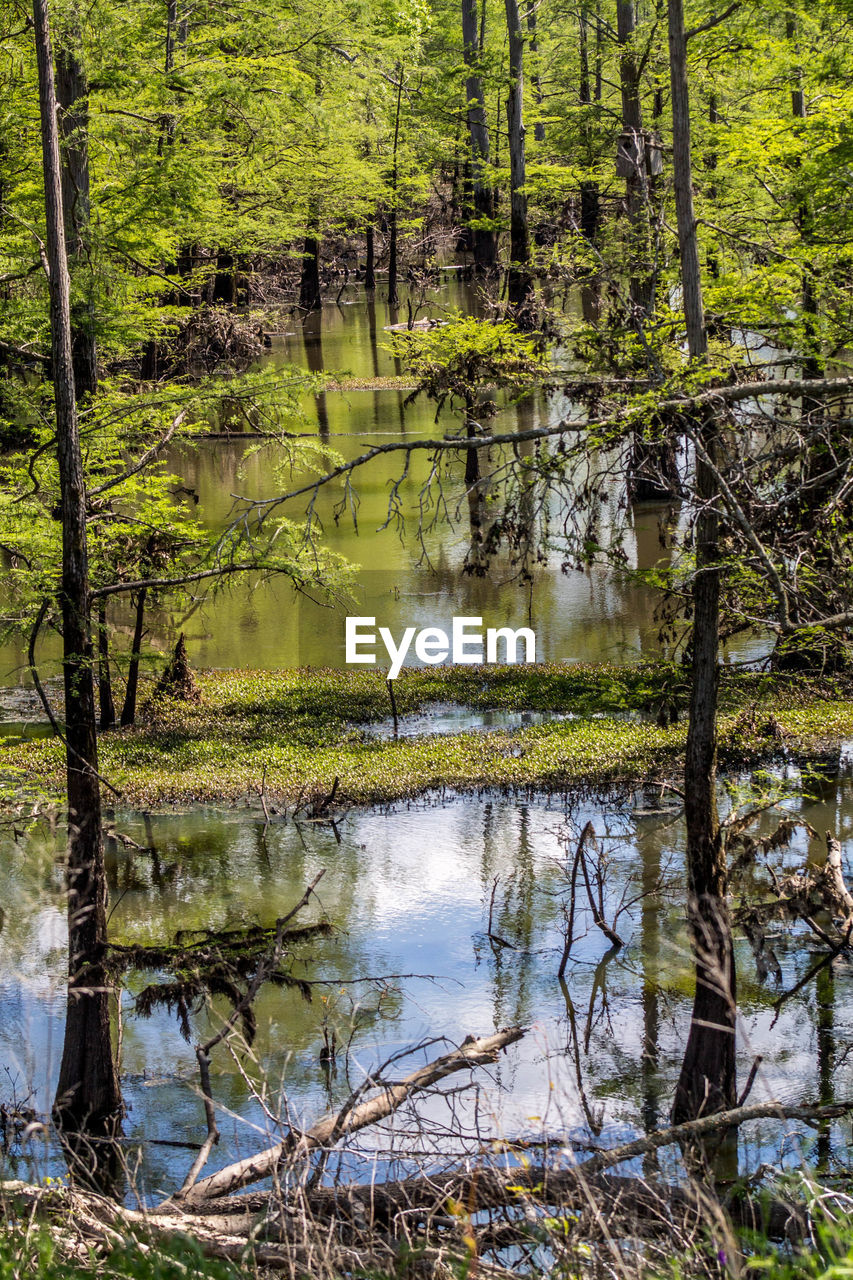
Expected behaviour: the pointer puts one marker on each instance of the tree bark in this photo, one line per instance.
(72, 91)
(88, 1091)
(485, 240)
(128, 711)
(518, 285)
(707, 1081)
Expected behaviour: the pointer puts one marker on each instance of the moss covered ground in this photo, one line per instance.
(300, 729)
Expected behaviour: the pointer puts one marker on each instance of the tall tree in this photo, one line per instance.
(708, 1078)
(72, 91)
(632, 146)
(519, 282)
(88, 1090)
(485, 239)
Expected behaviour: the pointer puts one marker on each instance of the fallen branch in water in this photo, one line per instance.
(473, 1052)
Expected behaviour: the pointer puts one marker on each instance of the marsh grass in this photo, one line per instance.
(298, 730)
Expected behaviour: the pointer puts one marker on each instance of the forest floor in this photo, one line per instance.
(291, 734)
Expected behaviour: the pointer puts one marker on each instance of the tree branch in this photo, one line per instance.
(473, 1052)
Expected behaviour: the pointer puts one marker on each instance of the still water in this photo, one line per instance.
(590, 615)
(408, 891)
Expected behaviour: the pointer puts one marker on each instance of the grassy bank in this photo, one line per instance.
(302, 729)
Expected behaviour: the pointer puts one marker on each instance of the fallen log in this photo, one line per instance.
(631, 1205)
(473, 1052)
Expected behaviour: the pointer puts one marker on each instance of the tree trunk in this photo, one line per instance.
(485, 240)
(708, 1079)
(309, 285)
(584, 89)
(88, 1091)
(539, 126)
(392, 217)
(636, 187)
(812, 363)
(128, 711)
(370, 262)
(105, 683)
(472, 456)
(599, 57)
(519, 283)
(72, 91)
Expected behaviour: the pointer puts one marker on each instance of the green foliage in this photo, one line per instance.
(38, 1254)
(455, 360)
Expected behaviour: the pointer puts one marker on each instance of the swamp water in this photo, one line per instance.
(595, 615)
(408, 891)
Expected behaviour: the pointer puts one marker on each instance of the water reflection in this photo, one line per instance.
(579, 615)
(409, 893)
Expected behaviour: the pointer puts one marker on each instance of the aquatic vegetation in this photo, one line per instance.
(295, 731)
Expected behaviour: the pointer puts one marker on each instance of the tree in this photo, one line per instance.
(485, 240)
(708, 1074)
(519, 283)
(88, 1090)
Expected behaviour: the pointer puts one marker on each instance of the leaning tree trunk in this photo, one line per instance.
(518, 285)
(485, 239)
(128, 711)
(87, 1094)
(72, 91)
(708, 1078)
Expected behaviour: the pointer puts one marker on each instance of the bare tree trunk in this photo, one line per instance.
(485, 240)
(392, 217)
(590, 205)
(584, 90)
(519, 283)
(812, 363)
(636, 188)
(708, 1076)
(309, 285)
(598, 52)
(88, 1090)
(105, 683)
(370, 262)
(72, 91)
(539, 126)
(128, 711)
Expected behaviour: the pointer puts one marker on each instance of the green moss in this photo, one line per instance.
(301, 730)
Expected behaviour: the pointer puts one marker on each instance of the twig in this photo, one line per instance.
(473, 1052)
(203, 1051)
